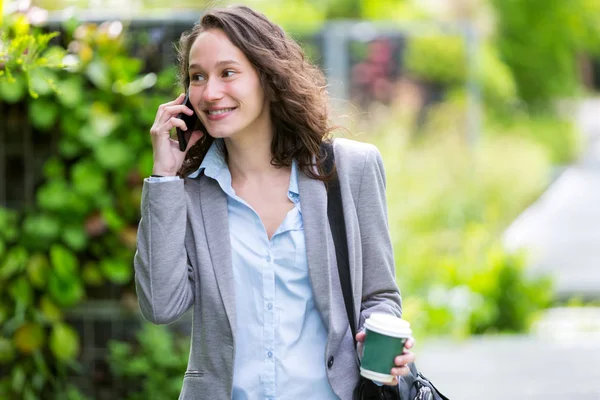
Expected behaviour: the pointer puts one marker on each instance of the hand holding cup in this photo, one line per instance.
(385, 344)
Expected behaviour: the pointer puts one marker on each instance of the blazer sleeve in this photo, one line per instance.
(380, 292)
(163, 274)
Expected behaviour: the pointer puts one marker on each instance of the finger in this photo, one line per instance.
(173, 111)
(162, 107)
(177, 109)
(400, 371)
(165, 129)
(360, 336)
(409, 343)
(393, 382)
(405, 358)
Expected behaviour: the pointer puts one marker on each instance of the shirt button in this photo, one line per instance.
(270, 354)
(269, 258)
(270, 306)
(330, 362)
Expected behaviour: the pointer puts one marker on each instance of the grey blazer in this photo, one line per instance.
(183, 259)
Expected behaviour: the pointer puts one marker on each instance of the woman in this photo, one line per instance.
(236, 225)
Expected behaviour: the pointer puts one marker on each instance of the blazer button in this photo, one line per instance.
(330, 362)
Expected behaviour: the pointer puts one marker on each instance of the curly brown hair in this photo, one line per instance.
(299, 102)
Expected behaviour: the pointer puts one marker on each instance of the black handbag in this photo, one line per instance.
(413, 386)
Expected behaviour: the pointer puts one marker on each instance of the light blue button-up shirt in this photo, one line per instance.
(280, 336)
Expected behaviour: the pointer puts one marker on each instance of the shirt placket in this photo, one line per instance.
(269, 323)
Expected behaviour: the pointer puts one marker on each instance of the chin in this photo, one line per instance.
(220, 134)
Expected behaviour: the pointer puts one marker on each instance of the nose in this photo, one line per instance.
(213, 91)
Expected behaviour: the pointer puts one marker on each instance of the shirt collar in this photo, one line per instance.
(215, 167)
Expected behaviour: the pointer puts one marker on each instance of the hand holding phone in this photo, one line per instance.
(190, 122)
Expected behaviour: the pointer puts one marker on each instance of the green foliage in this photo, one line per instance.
(558, 136)
(152, 368)
(437, 59)
(26, 54)
(448, 206)
(81, 230)
(444, 60)
(540, 41)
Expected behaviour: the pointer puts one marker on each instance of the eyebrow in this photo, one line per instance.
(219, 64)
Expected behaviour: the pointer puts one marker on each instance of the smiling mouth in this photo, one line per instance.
(221, 111)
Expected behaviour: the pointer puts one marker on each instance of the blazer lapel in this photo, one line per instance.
(313, 200)
(213, 203)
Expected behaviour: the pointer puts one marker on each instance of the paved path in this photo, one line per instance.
(559, 361)
(561, 230)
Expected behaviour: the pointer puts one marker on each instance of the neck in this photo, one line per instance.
(250, 155)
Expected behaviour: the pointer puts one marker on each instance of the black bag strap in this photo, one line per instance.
(337, 224)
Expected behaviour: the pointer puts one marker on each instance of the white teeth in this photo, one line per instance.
(217, 112)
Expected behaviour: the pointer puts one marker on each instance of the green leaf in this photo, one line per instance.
(54, 195)
(65, 292)
(70, 92)
(12, 91)
(54, 168)
(103, 122)
(13, 263)
(42, 80)
(74, 394)
(18, 379)
(91, 274)
(116, 271)
(69, 148)
(43, 226)
(75, 237)
(113, 155)
(50, 311)
(29, 393)
(146, 163)
(21, 291)
(113, 219)
(43, 113)
(88, 178)
(64, 262)
(64, 342)
(7, 351)
(38, 269)
(3, 314)
(8, 222)
(98, 72)
(69, 25)
(29, 337)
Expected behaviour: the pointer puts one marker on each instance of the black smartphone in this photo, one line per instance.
(190, 122)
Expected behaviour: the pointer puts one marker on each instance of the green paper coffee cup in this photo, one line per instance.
(385, 338)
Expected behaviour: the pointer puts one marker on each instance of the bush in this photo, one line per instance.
(153, 367)
(540, 40)
(448, 206)
(80, 232)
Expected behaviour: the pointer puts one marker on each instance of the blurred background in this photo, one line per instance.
(487, 116)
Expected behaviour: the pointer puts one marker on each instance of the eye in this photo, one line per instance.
(196, 78)
(228, 73)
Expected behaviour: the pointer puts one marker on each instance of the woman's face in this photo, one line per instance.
(225, 88)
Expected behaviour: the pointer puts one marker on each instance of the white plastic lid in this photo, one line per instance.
(389, 325)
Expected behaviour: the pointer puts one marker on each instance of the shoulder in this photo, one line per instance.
(357, 161)
(347, 150)
(357, 157)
